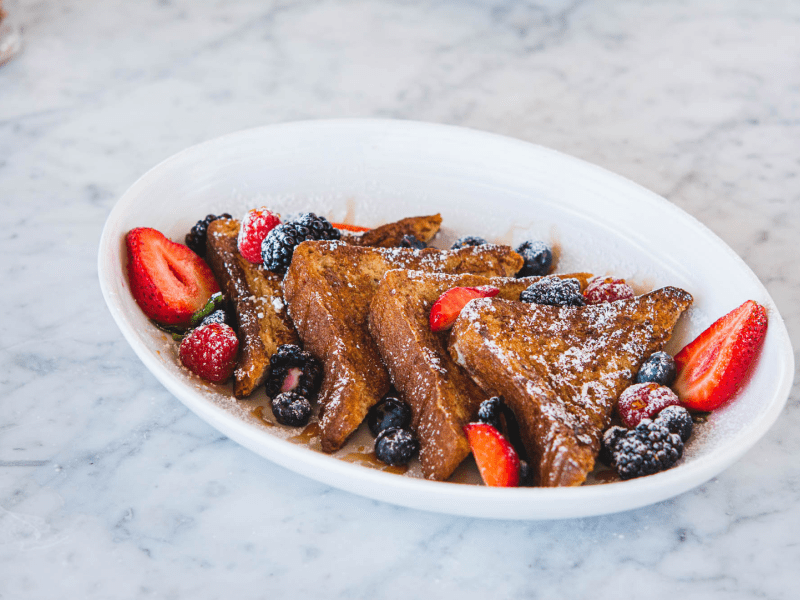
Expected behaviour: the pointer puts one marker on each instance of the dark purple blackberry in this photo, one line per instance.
(610, 438)
(411, 241)
(646, 449)
(290, 408)
(278, 247)
(389, 412)
(678, 420)
(468, 240)
(218, 316)
(526, 478)
(293, 370)
(490, 412)
(658, 368)
(395, 446)
(196, 238)
(537, 256)
(554, 291)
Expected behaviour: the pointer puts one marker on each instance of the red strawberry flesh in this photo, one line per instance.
(496, 458)
(168, 281)
(713, 367)
(446, 309)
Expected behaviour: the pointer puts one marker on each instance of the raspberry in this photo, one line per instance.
(256, 224)
(607, 289)
(210, 352)
(644, 401)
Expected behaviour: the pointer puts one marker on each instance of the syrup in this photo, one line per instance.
(310, 432)
(258, 413)
(368, 459)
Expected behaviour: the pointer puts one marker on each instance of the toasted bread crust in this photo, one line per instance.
(562, 369)
(255, 296)
(391, 234)
(329, 287)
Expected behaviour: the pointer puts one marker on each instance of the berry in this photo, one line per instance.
(168, 281)
(389, 412)
(644, 401)
(218, 316)
(713, 367)
(395, 446)
(278, 247)
(210, 352)
(293, 370)
(490, 412)
(644, 450)
(496, 458)
(610, 438)
(526, 478)
(468, 240)
(446, 309)
(411, 241)
(537, 256)
(196, 238)
(659, 368)
(607, 289)
(256, 224)
(290, 408)
(346, 227)
(554, 291)
(678, 420)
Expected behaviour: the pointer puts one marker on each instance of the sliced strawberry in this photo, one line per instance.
(168, 281)
(446, 309)
(256, 224)
(713, 367)
(347, 227)
(497, 460)
(210, 352)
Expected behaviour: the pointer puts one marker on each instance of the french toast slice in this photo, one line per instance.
(391, 234)
(329, 287)
(443, 397)
(255, 296)
(562, 369)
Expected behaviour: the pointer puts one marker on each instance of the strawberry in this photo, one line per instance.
(210, 352)
(607, 289)
(168, 281)
(256, 224)
(497, 460)
(713, 367)
(446, 309)
(347, 227)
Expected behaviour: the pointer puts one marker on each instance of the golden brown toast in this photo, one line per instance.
(391, 234)
(329, 287)
(442, 395)
(255, 296)
(562, 369)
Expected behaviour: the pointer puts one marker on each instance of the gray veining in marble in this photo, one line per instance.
(110, 488)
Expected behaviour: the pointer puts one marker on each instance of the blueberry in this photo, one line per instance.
(468, 240)
(490, 411)
(389, 412)
(290, 408)
(218, 316)
(395, 446)
(538, 258)
(658, 368)
(554, 291)
(411, 241)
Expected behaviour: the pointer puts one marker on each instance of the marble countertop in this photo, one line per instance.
(111, 488)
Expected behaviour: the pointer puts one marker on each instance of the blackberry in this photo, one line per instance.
(526, 478)
(218, 316)
(196, 238)
(278, 247)
(290, 408)
(293, 370)
(411, 241)
(658, 368)
(646, 449)
(490, 412)
(610, 438)
(537, 256)
(554, 291)
(678, 420)
(468, 240)
(389, 412)
(395, 446)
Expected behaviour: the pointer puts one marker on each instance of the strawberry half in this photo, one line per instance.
(446, 309)
(713, 367)
(168, 281)
(497, 460)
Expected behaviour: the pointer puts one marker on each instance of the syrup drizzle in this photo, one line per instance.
(258, 413)
(368, 459)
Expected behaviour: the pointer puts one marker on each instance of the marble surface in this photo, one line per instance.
(110, 488)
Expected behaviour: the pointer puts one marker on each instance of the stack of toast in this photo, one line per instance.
(361, 306)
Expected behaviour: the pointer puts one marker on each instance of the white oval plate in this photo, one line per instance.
(373, 171)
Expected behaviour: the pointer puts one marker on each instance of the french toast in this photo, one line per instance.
(442, 396)
(562, 369)
(255, 296)
(391, 234)
(329, 287)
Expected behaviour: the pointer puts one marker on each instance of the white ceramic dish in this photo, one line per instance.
(373, 171)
